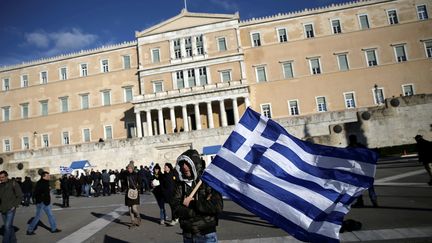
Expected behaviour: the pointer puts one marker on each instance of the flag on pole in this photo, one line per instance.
(65, 170)
(303, 188)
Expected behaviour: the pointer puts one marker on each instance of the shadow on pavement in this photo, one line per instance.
(398, 208)
(244, 218)
(149, 218)
(41, 224)
(2, 229)
(109, 239)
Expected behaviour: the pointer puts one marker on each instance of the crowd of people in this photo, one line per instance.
(197, 214)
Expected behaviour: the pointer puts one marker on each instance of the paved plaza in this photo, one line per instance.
(404, 215)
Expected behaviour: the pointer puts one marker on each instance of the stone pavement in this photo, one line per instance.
(404, 215)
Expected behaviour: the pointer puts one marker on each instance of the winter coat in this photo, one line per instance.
(201, 216)
(27, 186)
(10, 195)
(167, 185)
(132, 182)
(424, 148)
(42, 192)
(157, 190)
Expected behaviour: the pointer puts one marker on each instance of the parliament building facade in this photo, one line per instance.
(200, 71)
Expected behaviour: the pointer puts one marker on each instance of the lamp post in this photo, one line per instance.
(376, 94)
(35, 139)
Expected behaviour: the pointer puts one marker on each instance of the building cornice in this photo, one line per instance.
(63, 57)
(312, 11)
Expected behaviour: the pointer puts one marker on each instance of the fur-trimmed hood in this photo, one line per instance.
(191, 157)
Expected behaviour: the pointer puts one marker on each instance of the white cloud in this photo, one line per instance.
(226, 4)
(60, 42)
(38, 39)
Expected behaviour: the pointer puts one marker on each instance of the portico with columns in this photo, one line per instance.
(198, 108)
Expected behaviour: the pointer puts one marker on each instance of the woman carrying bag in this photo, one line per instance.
(132, 199)
(157, 191)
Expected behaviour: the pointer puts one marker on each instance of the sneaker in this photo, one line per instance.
(162, 222)
(173, 222)
(56, 231)
(30, 233)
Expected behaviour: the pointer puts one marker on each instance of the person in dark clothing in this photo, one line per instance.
(43, 202)
(158, 192)
(132, 200)
(424, 149)
(10, 199)
(64, 185)
(105, 183)
(27, 188)
(97, 185)
(353, 143)
(148, 179)
(198, 215)
(168, 185)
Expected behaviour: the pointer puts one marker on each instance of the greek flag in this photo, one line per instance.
(303, 188)
(65, 170)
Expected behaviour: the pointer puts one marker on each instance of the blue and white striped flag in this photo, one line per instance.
(305, 189)
(65, 170)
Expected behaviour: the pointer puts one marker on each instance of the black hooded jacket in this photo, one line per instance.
(201, 217)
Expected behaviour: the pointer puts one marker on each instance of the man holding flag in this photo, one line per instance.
(303, 188)
(196, 205)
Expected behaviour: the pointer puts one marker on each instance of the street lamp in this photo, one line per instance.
(376, 94)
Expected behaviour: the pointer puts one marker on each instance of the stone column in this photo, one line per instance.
(161, 122)
(197, 116)
(172, 118)
(247, 101)
(183, 47)
(194, 46)
(185, 79)
(185, 119)
(138, 124)
(210, 115)
(197, 77)
(223, 113)
(149, 123)
(172, 53)
(235, 109)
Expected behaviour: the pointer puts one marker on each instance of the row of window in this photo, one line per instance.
(187, 47)
(349, 100)
(65, 138)
(64, 74)
(191, 78)
(64, 103)
(336, 25)
(315, 65)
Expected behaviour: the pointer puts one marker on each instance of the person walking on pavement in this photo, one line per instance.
(27, 188)
(198, 214)
(168, 185)
(353, 143)
(132, 198)
(158, 192)
(43, 202)
(64, 185)
(424, 149)
(10, 199)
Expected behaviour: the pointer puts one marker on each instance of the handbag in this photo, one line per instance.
(155, 182)
(132, 193)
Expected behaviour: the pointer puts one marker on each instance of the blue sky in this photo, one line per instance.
(32, 29)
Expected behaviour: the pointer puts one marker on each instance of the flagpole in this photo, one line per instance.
(195, 189)
(185, 5)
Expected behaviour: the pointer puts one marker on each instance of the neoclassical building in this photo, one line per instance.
(199, 71)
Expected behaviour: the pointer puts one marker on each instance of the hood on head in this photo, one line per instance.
(191, 157)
